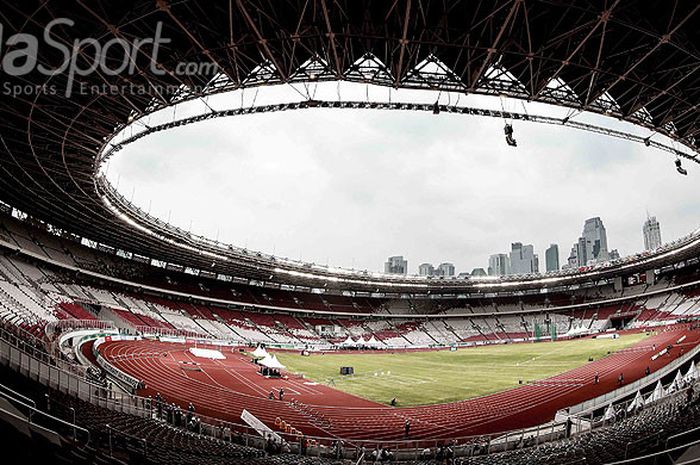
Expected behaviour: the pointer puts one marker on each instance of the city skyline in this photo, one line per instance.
(590, 248)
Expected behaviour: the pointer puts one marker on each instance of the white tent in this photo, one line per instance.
(577, 330)
(372, 342)
(276, 363)
(609, 413)
(271, 362)
(676, 384)
(692, 373)
(260, 352)
(348, 342)
(637, 402)
(361, 342)
(657, 394)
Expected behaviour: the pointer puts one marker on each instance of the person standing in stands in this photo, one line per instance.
(406, 428)
(596, 378)
(647, 371)
(281, 394)
(178, 415)
(190, 412)
(338, 449)
(621, 379)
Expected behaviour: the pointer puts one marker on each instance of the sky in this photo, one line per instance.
(351, 187)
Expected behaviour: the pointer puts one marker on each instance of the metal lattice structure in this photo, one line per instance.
(636, 60)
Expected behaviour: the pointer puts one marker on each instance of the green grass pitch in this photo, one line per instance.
(420, 378)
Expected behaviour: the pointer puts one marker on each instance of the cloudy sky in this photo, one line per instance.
(351, 187)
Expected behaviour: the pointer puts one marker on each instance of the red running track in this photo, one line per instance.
(223, 388)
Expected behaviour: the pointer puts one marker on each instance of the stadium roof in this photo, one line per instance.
(634, 60)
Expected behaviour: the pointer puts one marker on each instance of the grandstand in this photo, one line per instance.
(124, 339)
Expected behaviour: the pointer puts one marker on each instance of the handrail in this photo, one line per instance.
(52, 327)
(15, 393)
(683, 433)
(35, 411)
(642, 458)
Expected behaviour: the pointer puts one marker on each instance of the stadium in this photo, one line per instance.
(127, 339)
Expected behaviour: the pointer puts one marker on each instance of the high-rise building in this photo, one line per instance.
(499, 264)
(596, 239)
(572, 261)
(396, 265)
(445, 269)
(592, 246)
(652, 233)
(551, 258)
(582, 255)
(523, 259)
(426, 269)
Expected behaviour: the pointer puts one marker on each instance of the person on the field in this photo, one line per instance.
(393, 402)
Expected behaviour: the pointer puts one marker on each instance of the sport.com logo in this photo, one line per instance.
(83, 57)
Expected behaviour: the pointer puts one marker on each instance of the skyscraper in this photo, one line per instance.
(551, 256)
(592, 246)
(652, 233)
(572, 261)
(499, 264)
(396, 265)
(596, 239)
(582, 255)
(523, 259)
